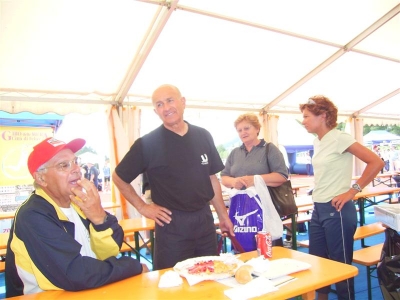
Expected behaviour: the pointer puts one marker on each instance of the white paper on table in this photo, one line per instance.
(231, 282)
(257, 287)
(194, 279)
(280, 281)
(259, 264)
(282, 266)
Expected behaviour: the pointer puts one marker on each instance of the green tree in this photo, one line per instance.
(395, 129)
(223, 153)
(341, 126)
(86, 149)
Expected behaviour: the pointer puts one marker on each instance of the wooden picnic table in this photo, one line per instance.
(145, 286)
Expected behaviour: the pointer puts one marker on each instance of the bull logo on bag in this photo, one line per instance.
(241, 227)
(246, 216)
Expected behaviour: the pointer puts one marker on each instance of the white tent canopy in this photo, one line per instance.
(380, 136)
(265, 56)
(257, 55)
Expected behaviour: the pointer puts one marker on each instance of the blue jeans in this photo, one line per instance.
(332, 236)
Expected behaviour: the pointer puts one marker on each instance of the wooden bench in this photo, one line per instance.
(127, 250)
(361, 233)
(306, 209)
(2, 261)
(301, 218)
(369, 257)
(292, 228)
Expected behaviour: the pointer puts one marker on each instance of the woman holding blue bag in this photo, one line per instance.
(242, 164)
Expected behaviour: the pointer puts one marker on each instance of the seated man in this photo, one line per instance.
(61, 237)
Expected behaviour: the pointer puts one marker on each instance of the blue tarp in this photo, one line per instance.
(26, 119)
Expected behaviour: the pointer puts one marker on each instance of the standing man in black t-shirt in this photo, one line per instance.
(180, 161)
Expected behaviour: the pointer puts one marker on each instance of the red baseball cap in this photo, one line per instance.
(46, 150)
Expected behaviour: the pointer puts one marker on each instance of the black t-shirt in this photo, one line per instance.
(178, 167)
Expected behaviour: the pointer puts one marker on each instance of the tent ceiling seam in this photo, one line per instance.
(368, 107)
(346, 48)
(158, 18)
(161, 17)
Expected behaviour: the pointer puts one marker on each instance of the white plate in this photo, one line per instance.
(183, 266)
(283, 266)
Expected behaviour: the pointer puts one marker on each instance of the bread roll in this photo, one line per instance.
(243, 274)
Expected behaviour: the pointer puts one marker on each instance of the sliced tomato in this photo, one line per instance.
(202, 267)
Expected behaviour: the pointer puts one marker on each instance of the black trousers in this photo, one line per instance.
(190, 234)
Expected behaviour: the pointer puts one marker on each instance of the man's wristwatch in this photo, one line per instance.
(357, 187)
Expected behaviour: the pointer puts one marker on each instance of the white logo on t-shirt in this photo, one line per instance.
(204, 159)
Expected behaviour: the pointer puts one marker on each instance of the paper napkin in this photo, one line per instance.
(259, 264)
(170, 279)
(257, 287)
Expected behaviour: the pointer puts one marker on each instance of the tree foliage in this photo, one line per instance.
(389, 128)
(86, 149)
(223, 152)
(395, 129)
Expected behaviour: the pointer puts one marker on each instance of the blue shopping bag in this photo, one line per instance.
(247, 218)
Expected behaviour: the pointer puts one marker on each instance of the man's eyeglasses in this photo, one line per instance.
(65, 165)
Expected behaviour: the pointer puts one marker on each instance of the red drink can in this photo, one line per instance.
(264, 244)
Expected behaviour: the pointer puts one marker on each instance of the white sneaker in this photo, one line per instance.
(287, 244)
